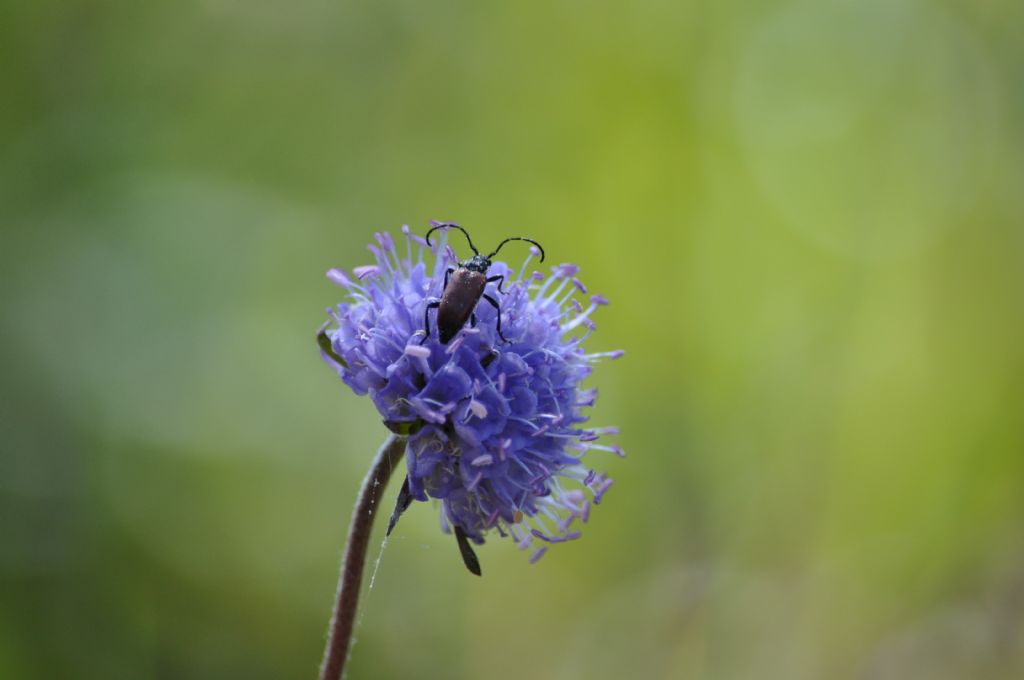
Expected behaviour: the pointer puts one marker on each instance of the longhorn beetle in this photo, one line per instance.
(463, 287)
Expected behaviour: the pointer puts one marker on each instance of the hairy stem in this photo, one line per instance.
(351, 576)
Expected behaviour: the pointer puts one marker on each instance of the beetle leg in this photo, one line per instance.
(489, 358)
(432, 303)
(448, 273)
(472, 319)
(495, 303)
(500, 278)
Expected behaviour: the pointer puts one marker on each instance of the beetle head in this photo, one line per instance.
(479, 263)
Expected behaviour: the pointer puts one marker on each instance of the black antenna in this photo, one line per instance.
(518, 238)
(452, 224)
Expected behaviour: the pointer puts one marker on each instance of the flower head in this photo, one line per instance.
(495, 428)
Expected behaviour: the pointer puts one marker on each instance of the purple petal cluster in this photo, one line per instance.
(496, 430)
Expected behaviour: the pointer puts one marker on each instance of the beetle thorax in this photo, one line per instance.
(479, 263)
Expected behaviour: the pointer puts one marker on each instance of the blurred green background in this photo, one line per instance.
(808, 216)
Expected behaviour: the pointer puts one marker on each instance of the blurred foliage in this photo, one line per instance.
(808, 216)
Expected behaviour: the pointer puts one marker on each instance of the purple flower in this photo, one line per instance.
(495, 430)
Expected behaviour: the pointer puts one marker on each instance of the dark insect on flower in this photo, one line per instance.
(495, 430)
(465, 288)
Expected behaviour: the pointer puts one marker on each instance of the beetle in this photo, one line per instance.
(463, 287)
